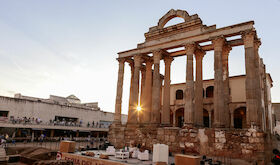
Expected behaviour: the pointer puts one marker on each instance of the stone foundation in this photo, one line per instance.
(246, 144)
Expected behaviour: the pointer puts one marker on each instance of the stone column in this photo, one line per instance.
(219, 103)
(210, 119)
(174, 118)
(135, 90)
(189, 93)
(225, 54)
(165, 117)
(199, 54)
(251, 80)
(131, 64)
(52, 133)
(231, 119)
(155, 117)
(147, 104)
(118, 105)
(264, 81)
(143, 77)
(258, 80)
(142, 99)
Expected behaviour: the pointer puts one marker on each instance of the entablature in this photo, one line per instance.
(179, 40)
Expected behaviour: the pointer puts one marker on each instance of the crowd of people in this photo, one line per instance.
(25, 120)
(56, 122)
(97, 125)
(63, 122)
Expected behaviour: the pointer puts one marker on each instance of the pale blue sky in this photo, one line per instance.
(69, 47)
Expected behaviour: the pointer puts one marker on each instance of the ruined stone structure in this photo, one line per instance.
(155, 123)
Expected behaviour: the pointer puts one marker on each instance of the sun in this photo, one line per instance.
(138, 108)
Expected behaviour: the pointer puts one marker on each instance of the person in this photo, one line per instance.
(276, 159)
(6, 136)
(81, 122)
(13, 141)
(3, 142)
(42, 137)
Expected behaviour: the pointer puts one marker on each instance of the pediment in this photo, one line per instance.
(191, 22)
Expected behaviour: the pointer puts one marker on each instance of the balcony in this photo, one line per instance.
(39, 124)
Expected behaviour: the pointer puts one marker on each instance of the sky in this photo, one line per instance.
(50, 47)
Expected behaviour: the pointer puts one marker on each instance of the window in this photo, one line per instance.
(210, 92)
(179, 94)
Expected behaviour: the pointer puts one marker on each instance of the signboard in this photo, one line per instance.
(85, 160)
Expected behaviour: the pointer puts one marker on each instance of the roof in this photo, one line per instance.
(72, 97)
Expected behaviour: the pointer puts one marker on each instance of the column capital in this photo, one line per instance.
(149, 61)
(157, 55)
(168, 60)
(257, 43)
(226, 50)
(218, 42)
(131, 64)
(199, 54)
(137, 60)
(190, 48)
(143, 68)
(121, 60)
(248, 38)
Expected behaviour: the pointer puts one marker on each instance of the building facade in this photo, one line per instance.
(236, 106)
(55, 116)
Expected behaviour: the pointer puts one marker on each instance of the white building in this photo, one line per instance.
(54, 115)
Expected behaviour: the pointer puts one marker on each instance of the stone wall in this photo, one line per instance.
(246, 144)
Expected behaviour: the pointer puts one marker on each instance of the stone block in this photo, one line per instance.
(255, 140)
(193, 130)
(254, 134)
(160, 131)
(248, 146)
(219, 146)
(193, 135)
(245, 151)
(166, 137)
(174, 132)
(260, 134)
(181, 144)
(172, 138)
(220, 140)
(67, 146)
(248, 133)
(182, 132)
(189, 145)
(167, 132)
(220, 134)
(187, 159)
